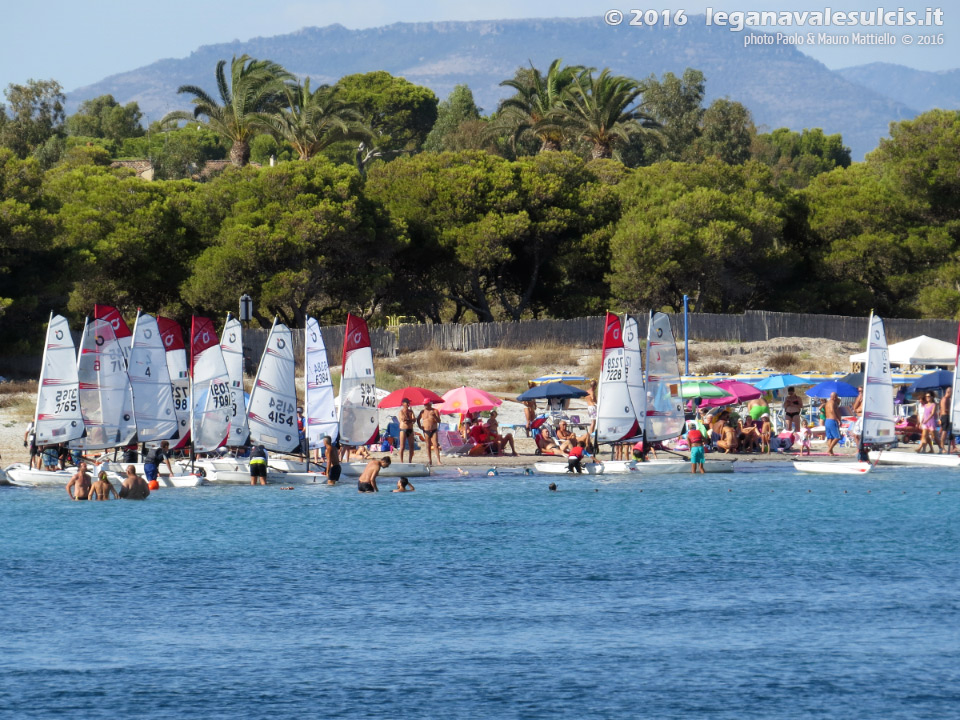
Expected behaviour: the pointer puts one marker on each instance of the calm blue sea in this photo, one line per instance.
(739, 596)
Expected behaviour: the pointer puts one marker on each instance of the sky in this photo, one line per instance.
(78, 43)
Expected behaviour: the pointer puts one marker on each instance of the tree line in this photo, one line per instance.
(582, 191)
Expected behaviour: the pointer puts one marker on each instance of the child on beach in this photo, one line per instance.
(766, 429)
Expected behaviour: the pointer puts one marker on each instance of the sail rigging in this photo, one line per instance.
(272, 415)
(210, 391)
(150, 380)
(321, 413)
(616, 419)
(231, 344)
(358, 392)
(58, 417)
(664, 414)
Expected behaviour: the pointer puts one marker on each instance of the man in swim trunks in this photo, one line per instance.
(406, 419)
(832, 422)
(134, 487)
(258, 465)
(152, 460)
(101, 489)
(367, 482)
(757, 407)
(332, 456)
(792, 407)
(946, 432)
(429, 422)
(697, 458)
(80, 481)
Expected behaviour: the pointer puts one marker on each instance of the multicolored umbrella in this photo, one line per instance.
(416, 396)
(736, 390)
(700, 389)
(463, 400)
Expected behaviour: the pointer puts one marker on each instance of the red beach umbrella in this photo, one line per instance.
(416, 396)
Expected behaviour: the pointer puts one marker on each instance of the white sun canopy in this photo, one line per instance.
(920, 350)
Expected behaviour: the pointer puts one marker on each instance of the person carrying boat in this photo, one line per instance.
(101, 489)
(332, 456)
(134, 487)
(258, 465)
(367, 482)
(152, 459)
(80, 481)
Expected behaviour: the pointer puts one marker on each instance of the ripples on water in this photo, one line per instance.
(488, 597)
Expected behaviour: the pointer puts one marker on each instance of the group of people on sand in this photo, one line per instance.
(82, 487)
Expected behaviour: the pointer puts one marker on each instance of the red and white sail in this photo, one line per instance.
(272, 416)
(58, 417)
(358, 390)
(179, 371)
(120, 328)
(616, 419)
(321, 412)
(106, 398)
(231, 344)
(150, 380)
(664, 418)
(210, 388)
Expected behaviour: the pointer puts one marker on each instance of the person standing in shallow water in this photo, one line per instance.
(134, 487)
(258, 465)
(102, 488)
(79, 486)
(332, 456)
(367, 482)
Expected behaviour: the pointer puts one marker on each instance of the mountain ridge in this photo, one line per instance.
(780, 85)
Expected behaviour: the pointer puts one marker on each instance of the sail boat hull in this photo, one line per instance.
(912, 458)
(832, 468)
(664, 467)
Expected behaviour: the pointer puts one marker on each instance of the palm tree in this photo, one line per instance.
(255, 91)
(600, 110)
(533, 107)
(313, 120)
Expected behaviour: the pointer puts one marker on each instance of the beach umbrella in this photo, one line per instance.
(932, 381)
(700, 389)
(854, 378)
(416, 396)
(823, 390)
(559, 377)
(736, 392)
(550, 391)
(463, 400)
(779, 382)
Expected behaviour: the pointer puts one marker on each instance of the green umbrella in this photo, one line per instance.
(698, 389)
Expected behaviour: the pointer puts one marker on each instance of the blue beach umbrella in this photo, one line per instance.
(779, 382)
(823, 390)
(932, 381)
(556, 390)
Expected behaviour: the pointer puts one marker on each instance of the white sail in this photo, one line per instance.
(58, 418)
(878, 413)
(178, 369)
(321, 413)
(210, 391)
(634, 366)
(616, 419)
(272, 416)
(231, 343)
(664, 418)
(150, 380)
(106, 399)
(358, 392)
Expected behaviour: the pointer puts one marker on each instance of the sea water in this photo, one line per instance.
(753, 595)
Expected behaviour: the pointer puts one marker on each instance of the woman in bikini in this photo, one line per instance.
(928, 425)
(792, 407)
(493, 428)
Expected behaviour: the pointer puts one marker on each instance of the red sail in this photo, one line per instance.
(113, 316)
(202, 336)
(612, 335)
(354, 337)
(171, 334)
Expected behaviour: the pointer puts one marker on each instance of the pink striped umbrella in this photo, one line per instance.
(736, 392)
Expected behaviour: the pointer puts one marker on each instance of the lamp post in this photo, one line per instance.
(246, 308)
(686, 339)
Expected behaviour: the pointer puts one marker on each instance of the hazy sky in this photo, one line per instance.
(78, 43)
